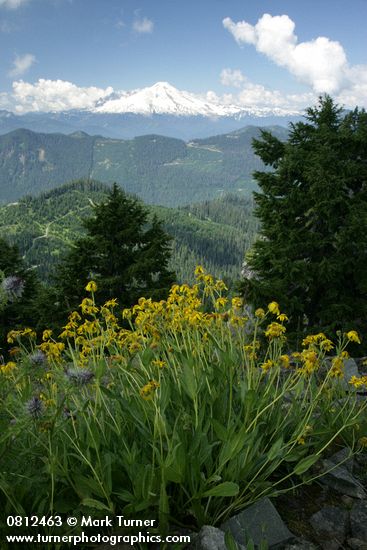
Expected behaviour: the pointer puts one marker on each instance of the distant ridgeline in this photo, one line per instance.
(214, 233)
(160, 170)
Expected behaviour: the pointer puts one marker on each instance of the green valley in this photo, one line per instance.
(214, 233)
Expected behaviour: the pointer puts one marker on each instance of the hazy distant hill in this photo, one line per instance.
(215, 234)
(161, 170)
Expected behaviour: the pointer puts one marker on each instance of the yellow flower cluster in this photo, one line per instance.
(8, 368)
(149, 389)
(358, 381)
(13, 335)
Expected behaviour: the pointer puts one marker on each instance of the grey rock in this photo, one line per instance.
(357, 544)
(300, 544)
(331, 526)
(260, 522)
(341, 480)
(358, 520)
(210, 538)
(344, 457)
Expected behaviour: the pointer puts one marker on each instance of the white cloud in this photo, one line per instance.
(55, 95)
(22, 63)
(143, 25)
(12, 4)
(320, 63)
(232, 77)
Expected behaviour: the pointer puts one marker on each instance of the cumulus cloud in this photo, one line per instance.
(22, 64)
(143, 25)
(232, 77)
(55, 95)
(321, 63)
(12, 4)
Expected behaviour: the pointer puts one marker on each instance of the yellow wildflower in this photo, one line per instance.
(358, 381)
(8, 368)
(352, 336)
(220, 302)
(12, 336)
(267, 365)
(148, 390)
(111, 303)
(46, 334)
(159, 363)
(285, 361)
(237, 302)
(274, 330)
(282, 317)
(199, 270)
(363, 441)
(273, 307)
(337, 366)
(91, 286)
(88, 307)
(326, 344)
(220, 285)
(259, 312)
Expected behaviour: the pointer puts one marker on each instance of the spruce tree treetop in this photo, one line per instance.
(311, 255)
(125, 253)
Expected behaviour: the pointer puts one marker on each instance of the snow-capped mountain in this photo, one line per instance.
(158, 109)
(164, 99)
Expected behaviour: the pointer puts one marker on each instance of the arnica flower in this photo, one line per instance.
(91, 286)
(259, 313)
(79, 376)
(267, 365)
(38, 358)
(46, 334)
(13, 286)
(35, 407)
(159, 363)
(352, 336)
(274, 330)
(237, 302)
(273, 307)
(148, 390)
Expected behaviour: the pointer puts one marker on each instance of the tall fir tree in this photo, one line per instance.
(125, 253)
(311, 254)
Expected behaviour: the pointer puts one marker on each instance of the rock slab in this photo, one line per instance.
(259, 522)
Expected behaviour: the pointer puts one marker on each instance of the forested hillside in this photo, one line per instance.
(215, 233)
(158, 169)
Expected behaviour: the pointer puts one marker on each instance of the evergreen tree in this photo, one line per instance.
(125, 254)
(312, 252)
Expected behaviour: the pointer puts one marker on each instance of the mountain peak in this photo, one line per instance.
(164, 99)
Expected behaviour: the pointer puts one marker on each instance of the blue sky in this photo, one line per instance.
(226, 47)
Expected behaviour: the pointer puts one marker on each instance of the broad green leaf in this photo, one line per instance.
(305, 464)
(189, 381)
(225, 489)
(276, 448)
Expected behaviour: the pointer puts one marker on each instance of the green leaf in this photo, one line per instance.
(96, 504)
(305, 464)
(225, 489)
(275, 450)
(189, 381)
